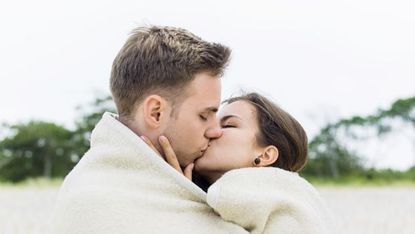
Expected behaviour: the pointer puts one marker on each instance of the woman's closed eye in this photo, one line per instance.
(228, 126)
(229, 122)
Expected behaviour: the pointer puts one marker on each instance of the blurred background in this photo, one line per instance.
(344, 69)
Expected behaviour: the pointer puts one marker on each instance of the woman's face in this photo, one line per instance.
(237, 147)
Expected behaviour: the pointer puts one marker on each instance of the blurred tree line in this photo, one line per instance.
(329, 155)
(42, 149)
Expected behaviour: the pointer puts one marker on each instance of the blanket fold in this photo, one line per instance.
(269, 200)
(122, 186)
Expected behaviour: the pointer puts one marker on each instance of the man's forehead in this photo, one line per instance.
(207, 103)
(205, 92)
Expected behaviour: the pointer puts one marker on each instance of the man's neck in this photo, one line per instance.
(131, 124)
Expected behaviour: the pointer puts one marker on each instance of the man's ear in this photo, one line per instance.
(155, 108)
(269, 155)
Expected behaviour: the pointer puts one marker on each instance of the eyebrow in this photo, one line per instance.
(224, 118)
(211, 109)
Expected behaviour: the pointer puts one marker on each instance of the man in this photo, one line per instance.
(164, 81)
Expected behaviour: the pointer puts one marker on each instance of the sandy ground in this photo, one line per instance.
(369, 210)
(377, 210)
(25, 210)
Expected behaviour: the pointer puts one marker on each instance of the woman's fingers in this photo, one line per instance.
(149, 143)
(169, 154)
(188, 171)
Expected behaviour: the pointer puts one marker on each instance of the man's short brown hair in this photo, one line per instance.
(161, 60)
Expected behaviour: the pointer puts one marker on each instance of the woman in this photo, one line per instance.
(250, 171)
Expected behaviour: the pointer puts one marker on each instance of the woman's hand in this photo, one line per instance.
(170, 156)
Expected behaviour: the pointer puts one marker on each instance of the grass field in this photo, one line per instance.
(26, 208)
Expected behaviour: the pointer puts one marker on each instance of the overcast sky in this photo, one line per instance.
(320, 60)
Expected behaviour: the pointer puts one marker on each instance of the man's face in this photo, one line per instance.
(194, 122)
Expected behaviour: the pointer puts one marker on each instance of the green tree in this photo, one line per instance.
(45, 149)
(36, 149)
(329, 158)
(403, 109)
(89, 115)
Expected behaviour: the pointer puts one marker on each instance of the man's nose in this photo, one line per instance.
(213, 133)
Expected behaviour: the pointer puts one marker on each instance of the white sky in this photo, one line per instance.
(320, 60)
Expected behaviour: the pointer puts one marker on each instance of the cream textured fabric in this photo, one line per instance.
(122, 186)
(270, 200)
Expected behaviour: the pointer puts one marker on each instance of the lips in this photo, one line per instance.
(204, 150)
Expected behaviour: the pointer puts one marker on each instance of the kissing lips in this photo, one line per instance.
(203, 151)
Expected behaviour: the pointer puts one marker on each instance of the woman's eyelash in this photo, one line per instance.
(228, 126)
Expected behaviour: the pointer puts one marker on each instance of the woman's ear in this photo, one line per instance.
(269, 156)
(154, 108)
